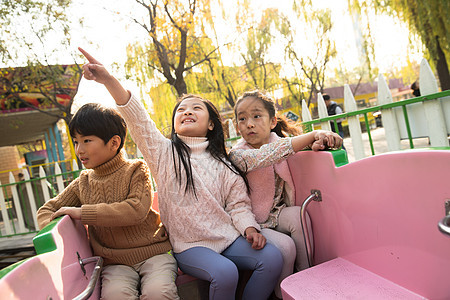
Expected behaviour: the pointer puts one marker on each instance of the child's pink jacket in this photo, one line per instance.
(262, 164)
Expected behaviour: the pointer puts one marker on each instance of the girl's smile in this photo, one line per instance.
(187, 120)
(192, 118)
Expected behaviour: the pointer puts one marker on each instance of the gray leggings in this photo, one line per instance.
(221, 269)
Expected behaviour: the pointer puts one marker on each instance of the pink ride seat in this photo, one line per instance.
(376, 230)
(340, 279)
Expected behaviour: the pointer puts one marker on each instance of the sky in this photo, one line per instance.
(106, 35)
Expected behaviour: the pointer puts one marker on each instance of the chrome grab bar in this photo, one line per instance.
(94, 277)
(315, 196)
(444, 225)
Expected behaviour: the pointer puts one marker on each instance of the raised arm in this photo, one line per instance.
(269, 154)
(142, 129)
(94, 70)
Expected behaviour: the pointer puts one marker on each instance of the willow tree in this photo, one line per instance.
(163, 102)
(308, 58)
(220, 81)
(175, 30)
(428, 19)
(251, 43)
(261, 70)
(247, 40)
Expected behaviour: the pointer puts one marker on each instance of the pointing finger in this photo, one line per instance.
(87, 71)
(89, 57)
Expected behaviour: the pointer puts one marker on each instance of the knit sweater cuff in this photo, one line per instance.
(242, 226)
(89, 214)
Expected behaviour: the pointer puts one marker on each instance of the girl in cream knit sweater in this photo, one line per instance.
(201, 194)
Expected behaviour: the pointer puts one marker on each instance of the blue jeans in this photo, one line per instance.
(221, 270)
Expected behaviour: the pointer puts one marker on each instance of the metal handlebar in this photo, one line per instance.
(94, 277)
(315, 196)
(444, 225)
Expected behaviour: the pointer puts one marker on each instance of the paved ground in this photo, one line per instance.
(17, 241)
(380, 144)
(16, 248)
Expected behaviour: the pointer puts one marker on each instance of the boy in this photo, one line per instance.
(114, 199)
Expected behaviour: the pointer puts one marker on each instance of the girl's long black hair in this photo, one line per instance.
(216, 146)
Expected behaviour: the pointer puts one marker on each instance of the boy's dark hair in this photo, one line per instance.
(216, 145)
(284, 126)
(103, 122)
(326, 97)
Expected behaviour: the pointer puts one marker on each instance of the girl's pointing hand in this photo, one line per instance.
(94, 70)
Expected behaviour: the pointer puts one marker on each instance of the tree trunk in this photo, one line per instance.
(230, 98)
(442, 67)
(180, 86)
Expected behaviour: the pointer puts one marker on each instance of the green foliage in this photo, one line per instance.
(263, 73)
(26, 26)
(428, 19)
(310, 69)
(176, 32)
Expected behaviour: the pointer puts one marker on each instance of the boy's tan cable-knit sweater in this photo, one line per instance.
(221, 211)
(115, 200)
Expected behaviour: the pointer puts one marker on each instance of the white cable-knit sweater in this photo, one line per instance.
(221, 211)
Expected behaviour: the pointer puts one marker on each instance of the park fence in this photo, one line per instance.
(20, 200)
(424, 116)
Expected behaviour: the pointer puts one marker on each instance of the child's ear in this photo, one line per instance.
(210, 125)
(115, 142)
(273, 123)
(236, 127)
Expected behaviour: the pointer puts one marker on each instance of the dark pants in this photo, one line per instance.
(340, 132)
